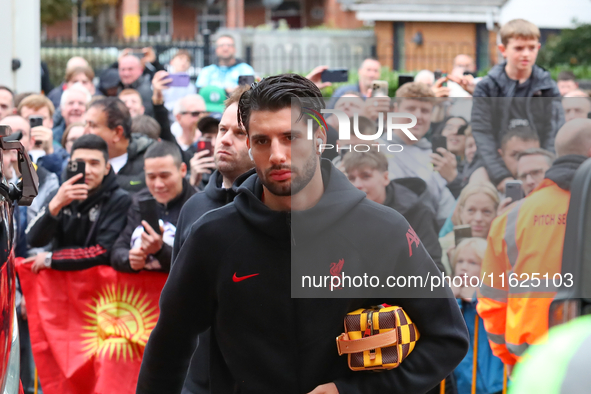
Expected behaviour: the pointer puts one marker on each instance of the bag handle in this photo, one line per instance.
(347, 346)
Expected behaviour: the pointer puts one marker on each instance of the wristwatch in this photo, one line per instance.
(47, 261)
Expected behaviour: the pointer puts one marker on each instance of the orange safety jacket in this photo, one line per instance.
(522, 270)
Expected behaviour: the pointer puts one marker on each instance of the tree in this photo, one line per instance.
(55, 10)
(572, 47)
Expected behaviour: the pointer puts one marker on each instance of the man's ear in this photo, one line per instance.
(119, 134)
(51, 123)
(502, 49)
(107, 168)
(178, 117)
(183, 169)
(500, 152)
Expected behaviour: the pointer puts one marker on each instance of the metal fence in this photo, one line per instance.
(102, 56)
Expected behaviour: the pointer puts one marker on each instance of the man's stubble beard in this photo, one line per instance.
(297, 183)
(233, 169)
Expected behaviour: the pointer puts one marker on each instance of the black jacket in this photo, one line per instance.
(492, 107)
(213, 196)
(563, 170)
(131, 176)
(403, 195)
(270, 342)
(83, 233)
(169, 213)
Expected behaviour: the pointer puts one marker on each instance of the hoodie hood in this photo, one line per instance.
(339, 197)
(563, 170)
(540, 78)
(404, 194)
(138, 144)
(215, 190)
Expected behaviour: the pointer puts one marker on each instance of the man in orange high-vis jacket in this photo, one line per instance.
(524, 252)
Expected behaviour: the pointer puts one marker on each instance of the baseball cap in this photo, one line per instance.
(214, 98)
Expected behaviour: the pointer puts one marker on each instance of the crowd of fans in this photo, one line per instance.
(139, 139)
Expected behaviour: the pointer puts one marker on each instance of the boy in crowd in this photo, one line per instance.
(139, 246)
(567, 82)
(517, 79)
(82, 220)
(368, 172)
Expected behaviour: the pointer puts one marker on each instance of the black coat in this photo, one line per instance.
(270, 342)
(83, 233)
(403, 195)
(491, 111)
(131, 176)
(169, 213)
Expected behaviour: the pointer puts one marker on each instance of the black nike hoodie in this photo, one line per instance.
(235, 272)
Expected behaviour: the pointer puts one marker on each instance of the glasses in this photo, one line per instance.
(193, 114)
(535, 174)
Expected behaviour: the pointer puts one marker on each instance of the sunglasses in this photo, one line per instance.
(193, 114)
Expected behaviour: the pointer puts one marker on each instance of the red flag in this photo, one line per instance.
(89, 328)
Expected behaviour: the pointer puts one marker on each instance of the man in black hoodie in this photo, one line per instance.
(109, 118)
(139, 246)
(368, 172)
(83, 220)
(235, 272)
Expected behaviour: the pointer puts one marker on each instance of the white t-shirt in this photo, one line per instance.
(118, 162)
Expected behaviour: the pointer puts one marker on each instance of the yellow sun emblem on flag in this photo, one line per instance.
(120, 322)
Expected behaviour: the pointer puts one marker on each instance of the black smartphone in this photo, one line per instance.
(588, 115)
(514, 189)
(335, 75)
(437, 75)
(74, 168)
(245, 80)
(438, 141)
(35, 121)
(203, 145)
(462, 232)
(149, 213)
(402, 79)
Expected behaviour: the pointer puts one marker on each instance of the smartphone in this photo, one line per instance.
(437, 75)
(402, 79)
(149, 213)
(203, 145)
(438, 141)
(179, 80)
(35, 121)
(335, 75)
(245, 80)
(462, 232)
(379, 89)
(74, 168)
(514, 189)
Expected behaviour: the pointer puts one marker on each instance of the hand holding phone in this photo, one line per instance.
(438, 141)
(179, 80)
(205, 144)
(35, 121)
(149, 213)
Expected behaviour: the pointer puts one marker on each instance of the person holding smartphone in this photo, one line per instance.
(82, 220)
(140, 246)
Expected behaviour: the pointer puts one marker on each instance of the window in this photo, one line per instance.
(84, 26)
(212, 18)
(156, 19)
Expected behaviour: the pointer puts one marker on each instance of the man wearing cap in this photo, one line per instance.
(224, 74)
(214, 99)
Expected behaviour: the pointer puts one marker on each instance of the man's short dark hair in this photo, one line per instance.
(524, 133)
(117, 114)
(566, 75)
(91, 141)
(2, 87)
(163, 149)
(276, 93)
(538, 151)
(144, 124)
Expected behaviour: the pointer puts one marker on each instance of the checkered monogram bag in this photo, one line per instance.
(377, 338)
